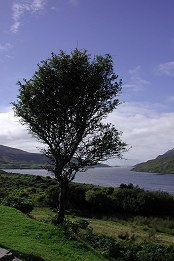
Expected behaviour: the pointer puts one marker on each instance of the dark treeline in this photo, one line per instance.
(26, 192)
(126, 199)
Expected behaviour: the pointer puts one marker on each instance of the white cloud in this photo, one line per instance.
(166, 68)
(5, 47)
(73, 2)
(170, 99)
(21, 7)
(149, 132)
(37, 5)
(53, 8)
(13, 134)
(18, 9)
(5, 51)
(9, 56)
(136, 81)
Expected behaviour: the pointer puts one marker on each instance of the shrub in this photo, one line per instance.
(124, 235)
(76, 196)
(128, 250)
(52, 196)
(19, 203)
(82, 223)
(71, 229)
(99, 201)
(133, 200)
(152, 252)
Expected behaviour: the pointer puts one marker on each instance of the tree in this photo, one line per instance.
(63, 105)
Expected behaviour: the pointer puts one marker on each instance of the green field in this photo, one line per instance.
(31, 237)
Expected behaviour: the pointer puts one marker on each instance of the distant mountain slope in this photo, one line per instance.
(166, 154)
(12, 158)
(162, 164)
(102, 165)
(15, 158)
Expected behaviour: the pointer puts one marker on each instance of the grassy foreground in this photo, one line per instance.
(30, 237)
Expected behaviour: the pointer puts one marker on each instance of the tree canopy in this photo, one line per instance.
(64, 104)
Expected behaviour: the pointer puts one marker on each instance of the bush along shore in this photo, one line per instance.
(125, 223)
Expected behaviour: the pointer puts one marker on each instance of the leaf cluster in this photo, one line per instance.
(64, 105)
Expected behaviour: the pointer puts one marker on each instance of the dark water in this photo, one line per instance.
(114, 176)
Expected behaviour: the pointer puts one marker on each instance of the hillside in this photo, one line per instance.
(12, 158)
(40, 241)
(162, 164)
(16, 158)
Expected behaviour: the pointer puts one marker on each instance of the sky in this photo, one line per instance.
(139, 35)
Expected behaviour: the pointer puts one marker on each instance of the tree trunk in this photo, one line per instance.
(62, 201)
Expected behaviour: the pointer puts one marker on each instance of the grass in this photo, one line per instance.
(43, 214)
(134, 228)
(31, 237)
(138, 228)
(129, 231)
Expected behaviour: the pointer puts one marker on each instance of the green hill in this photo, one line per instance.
(40, 241)
(16, 158)
(12, 158)
(162, 164)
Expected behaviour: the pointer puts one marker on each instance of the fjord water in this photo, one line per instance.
(114, 176)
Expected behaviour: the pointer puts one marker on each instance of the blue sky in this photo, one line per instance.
(137, 33)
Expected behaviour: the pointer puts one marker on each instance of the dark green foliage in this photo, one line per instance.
(19, 190)
(99, 200)
(71, 229)
(82, 223)
(128, 199)
(112, 248)
(52, 195)
(19, 203)
(152, 252)
(63, 105)
(76, 196)
(134, 200)
(128, 250)
(87, 199)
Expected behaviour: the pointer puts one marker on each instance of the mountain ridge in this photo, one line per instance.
(17, 158)
(163, 164)
(13, 158)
